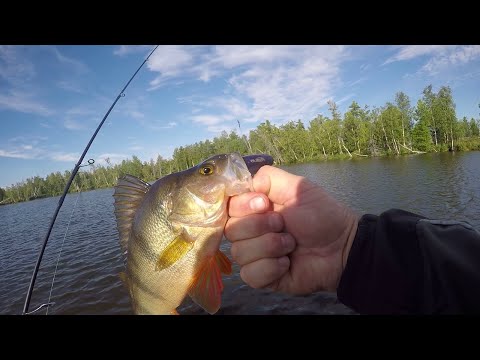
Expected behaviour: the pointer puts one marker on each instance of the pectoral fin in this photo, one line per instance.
(173, 252)
(207, 286)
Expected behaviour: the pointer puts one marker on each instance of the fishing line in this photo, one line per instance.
(49, 303)
(61, 249)
(245, 138)
(69, 183)
(40, 307)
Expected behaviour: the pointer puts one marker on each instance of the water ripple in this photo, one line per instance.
(435, 185)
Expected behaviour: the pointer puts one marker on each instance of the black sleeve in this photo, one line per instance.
(403, 263)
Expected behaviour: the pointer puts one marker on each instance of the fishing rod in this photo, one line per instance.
(65, 191)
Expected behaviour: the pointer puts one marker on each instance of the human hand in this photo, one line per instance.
(289, 234)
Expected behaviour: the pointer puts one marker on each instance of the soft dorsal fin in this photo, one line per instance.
(207, 286)
(128, 195)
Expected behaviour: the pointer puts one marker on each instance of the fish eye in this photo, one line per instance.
(207, 169)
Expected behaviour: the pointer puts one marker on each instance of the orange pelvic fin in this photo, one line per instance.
(207, 286)
(223, 263)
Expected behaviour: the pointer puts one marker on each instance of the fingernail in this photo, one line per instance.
(284, 261)
(288, 242)
(257, 204)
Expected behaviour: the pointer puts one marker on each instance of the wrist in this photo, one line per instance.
(345, 242)
(351, 231)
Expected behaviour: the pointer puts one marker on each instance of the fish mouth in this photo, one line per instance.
(241, 169)
(239, 178)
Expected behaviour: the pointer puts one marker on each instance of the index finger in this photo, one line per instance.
(247, 204)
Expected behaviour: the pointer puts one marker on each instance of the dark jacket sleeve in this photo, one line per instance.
(403, 263)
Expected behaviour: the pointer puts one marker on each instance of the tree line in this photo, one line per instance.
(393, 129)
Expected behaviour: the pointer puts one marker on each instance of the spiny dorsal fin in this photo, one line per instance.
(128, 195)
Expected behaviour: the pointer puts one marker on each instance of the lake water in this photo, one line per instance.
(443, 186)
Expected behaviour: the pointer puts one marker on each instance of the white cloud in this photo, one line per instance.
(80, 110)
(133, 107)
(458, 55)
(131, 49)
(83, 116)
(290, 90)
(278, 83)
(15, 68)
(439, 57)
(30, 139)
(67, 157)
(23, 102)
(169, 61)
(35, 147)
(208, 119)
(70, 86)
(220, 128)
(365, 67)
(135, 148)
(345, 98)
(18, 69)
(25, 147)
(156, 126)
(356, 82)
(74, 64)
(231, 56)
(136, 114)
(71, 124)
(15, 154)
(407, 52)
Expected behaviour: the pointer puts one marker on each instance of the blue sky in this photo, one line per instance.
(52, 98)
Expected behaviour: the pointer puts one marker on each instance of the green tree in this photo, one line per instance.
(356, 128)
(391, 123)
(320, 137)
(429, 99)
(385, 130)
(336, 125)
(444, 109)
(421, 138)
(403, 103)
(474, 127)
(464, 128)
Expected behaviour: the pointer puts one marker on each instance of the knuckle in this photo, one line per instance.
(227, 232)
(275, 222)
(274, 244)
(244, 274)
(234, 252)
(260, 274)
(260, 226)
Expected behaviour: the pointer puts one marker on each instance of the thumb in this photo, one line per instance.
(279, 185)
